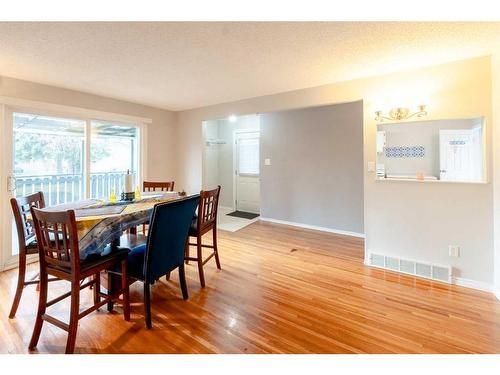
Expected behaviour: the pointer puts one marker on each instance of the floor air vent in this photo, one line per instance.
(411, 267)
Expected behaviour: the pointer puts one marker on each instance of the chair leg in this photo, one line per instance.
(182, 281)
(36, 276)
(125, 289)
(200, 261)
(110, 291)
(167, 276)
(186, 250)
(216, 251)
(97, 288)
(42, 306)
(20, 285)
(73, 320)
(147, 304)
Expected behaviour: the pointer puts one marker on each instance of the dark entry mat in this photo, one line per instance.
(243, 215)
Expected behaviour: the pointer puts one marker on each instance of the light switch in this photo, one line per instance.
(454, 251)
(267, 161)
(371, 166)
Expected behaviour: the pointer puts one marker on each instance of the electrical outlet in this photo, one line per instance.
(454, 251)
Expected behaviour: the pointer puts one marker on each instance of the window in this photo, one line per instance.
(113, 152)
(50, 156)
(248, 154)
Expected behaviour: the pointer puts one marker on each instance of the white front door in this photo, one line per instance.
(459, 152)
(247, 171)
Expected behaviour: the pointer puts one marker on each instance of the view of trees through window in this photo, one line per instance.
(49, 156)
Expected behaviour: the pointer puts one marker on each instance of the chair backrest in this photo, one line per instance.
(207, 209)
(57, 238)
(162, 186)
(21, 209)
(168, 231)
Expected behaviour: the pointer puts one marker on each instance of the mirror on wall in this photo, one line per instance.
(438, 150)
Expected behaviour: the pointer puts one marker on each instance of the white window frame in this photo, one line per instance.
(9, 106)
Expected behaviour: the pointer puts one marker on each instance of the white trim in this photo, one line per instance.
(314, 227)
(81, 112)
(13, 262)
(143, 155)
(86, 159)
(496, 292)
(473, 284)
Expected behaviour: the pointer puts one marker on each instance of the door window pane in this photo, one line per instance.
(113, 151)
(48, 157)
(248, 156)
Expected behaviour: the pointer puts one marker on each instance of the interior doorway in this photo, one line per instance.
(231, 159)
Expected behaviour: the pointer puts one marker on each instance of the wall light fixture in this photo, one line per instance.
(400, 113)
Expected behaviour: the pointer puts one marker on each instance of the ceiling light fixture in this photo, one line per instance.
(400, 113)
(233, 118)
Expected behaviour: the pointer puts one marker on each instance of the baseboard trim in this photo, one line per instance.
(313, 227)
(497, 294)
(473, 284)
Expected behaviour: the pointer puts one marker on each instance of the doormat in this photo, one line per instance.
(243, 215)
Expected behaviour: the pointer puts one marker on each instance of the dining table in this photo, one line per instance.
(101, 222)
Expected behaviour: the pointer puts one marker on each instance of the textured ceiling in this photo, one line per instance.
(177, 66)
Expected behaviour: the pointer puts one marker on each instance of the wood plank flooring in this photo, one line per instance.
(281, 290)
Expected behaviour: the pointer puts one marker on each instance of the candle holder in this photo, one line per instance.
(128, 197)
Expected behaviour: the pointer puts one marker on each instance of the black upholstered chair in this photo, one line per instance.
(164, 250)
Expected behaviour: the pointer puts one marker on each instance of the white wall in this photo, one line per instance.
(407, 219)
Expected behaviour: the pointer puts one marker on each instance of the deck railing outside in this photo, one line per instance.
(65, 188)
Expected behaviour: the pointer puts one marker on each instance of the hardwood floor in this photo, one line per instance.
(281, 290)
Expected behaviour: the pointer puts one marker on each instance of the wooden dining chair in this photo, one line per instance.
(158, 186)
(59, 255)
(155, 186)
(164, 250)
(203, 222)
(27, 242)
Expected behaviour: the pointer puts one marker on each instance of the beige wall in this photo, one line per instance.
(161, 132)
(408, 219)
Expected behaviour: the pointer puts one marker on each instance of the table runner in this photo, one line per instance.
(95, 232)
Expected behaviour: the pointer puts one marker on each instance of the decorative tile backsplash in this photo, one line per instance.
(405, 152)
